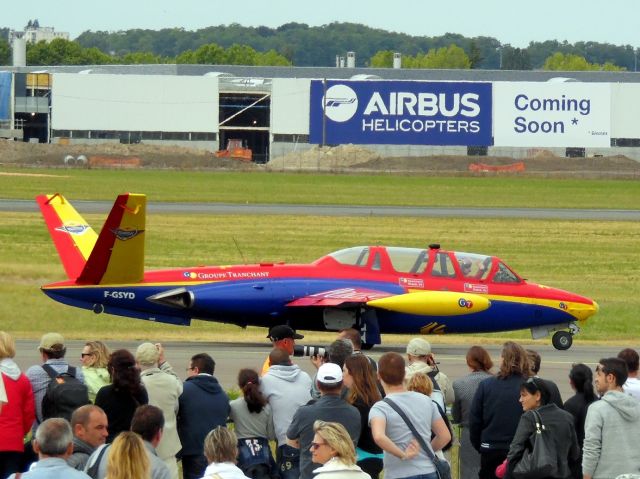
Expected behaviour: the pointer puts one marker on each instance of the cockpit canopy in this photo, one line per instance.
(427, 262)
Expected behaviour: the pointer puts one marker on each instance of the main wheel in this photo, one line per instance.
(562, 340)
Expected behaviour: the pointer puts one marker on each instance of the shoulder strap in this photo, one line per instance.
(92, 471)
(538, 420)
(71, 370)
(50, 371)
(415, 432)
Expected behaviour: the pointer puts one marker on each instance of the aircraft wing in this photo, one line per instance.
(340, 297)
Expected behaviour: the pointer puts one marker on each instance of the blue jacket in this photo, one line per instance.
(204, 405)
(495, 413)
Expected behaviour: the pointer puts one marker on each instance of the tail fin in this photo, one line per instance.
(73, 237)
(116, 256)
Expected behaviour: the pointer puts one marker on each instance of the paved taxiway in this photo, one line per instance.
(346, 210)
(231, 357)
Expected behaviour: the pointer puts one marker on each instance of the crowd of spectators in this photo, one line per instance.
(126, 414)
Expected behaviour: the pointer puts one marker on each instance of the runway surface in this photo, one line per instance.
(231, 357)
(339, 210)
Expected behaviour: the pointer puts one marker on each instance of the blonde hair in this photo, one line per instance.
(7, 345)
(421, 383)
(128, 458)
(100, 354)
(221, 445)
(338, 439)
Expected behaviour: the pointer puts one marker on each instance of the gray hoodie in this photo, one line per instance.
(286, 388)
(612, 435)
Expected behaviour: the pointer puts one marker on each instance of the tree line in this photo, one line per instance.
(299, 44)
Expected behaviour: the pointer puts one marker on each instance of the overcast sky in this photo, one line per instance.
(509, 21)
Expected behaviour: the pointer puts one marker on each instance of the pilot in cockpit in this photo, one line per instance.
(465, 266)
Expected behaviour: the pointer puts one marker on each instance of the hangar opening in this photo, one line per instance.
(244, 125)
(35, 127)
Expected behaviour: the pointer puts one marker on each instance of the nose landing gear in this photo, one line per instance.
(562, 340)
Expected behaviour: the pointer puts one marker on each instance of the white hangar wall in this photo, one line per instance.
(134, 103)
(625, 105)
(290, 106)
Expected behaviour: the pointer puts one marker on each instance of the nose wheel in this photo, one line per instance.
(562, 340)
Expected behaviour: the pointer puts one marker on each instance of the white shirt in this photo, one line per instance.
(632, 387)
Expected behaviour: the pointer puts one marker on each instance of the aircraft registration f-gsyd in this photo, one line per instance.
(376, 289)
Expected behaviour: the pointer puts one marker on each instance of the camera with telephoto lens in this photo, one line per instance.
(299, 350)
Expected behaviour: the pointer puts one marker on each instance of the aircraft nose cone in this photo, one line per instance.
(583, 311)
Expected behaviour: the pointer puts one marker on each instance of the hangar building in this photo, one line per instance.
(279, 110)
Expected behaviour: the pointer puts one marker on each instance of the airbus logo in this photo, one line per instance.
(340, 103)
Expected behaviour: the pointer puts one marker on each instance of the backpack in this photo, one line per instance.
(65, 393)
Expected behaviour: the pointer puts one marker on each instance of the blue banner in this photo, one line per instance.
(5, 95)
(400, 113)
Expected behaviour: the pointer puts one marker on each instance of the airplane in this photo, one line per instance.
(376, 289)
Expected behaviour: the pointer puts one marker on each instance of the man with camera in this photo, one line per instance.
(421, 359)
(282, 337)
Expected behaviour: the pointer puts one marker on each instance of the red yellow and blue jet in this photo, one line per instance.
(376, 289)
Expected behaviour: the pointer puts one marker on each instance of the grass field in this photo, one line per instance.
(301, 188)
(593, 258)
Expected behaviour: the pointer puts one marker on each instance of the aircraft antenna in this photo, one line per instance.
(244, 261)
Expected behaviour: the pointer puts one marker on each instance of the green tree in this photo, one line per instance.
(240, 55)
(141, 58)
(566, 62)
(5, 53)
(210, 54)
(382, 59)
(515, 58)
(271, 58)
(475, 55)
(573, 63)
(65, 52)
(451, 57)
(610, 67)
(187, 57)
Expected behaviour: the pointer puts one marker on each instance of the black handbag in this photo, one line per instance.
(541, 460)
(443, 469)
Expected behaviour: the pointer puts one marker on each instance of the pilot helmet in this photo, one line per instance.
(465, 264)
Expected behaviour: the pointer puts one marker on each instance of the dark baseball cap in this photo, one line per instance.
(282, 331)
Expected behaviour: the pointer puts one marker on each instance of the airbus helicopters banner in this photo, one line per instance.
(400, 113)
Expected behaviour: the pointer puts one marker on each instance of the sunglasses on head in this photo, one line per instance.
(533, 380)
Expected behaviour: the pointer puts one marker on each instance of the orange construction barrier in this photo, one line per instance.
(482, 167)
(115, 162)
